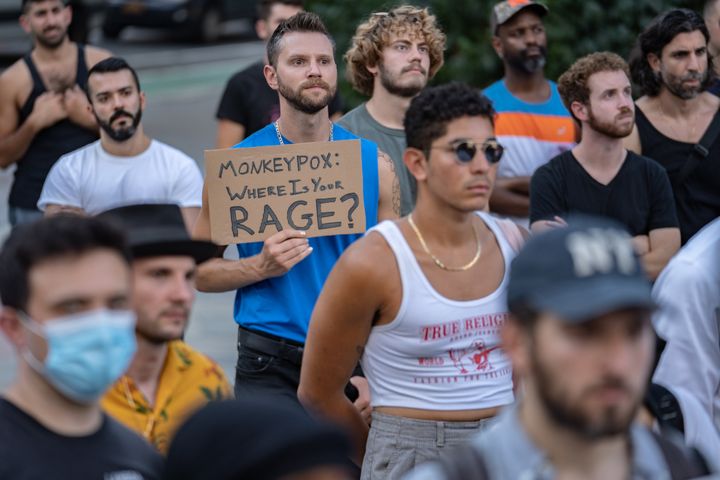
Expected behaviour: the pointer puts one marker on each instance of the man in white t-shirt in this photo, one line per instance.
(125, 166)
(689, 321)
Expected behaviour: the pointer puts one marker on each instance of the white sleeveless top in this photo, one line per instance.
(438, 353)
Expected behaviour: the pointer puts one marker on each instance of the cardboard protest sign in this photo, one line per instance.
(254, 193)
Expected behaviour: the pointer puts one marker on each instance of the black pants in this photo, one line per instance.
(270, 365)
(264, 370)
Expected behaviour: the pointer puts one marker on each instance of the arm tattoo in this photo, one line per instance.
(395, 183)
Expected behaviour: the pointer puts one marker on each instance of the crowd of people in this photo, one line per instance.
(535, 295)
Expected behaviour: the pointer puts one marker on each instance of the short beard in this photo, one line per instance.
(304, 104)
(405, 91)
(674, 84)
(523, 63)
(564, 414)
(609, 129)
(122, 134)
(45, 43)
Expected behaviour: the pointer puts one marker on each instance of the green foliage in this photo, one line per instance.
(574, 28)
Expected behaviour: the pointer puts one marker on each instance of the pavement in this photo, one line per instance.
(183, 84)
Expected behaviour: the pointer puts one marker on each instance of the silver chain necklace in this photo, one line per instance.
(280, 138)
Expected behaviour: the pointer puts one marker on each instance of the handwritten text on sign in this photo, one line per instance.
(254, 193)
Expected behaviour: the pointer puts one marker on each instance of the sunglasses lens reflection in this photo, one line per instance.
(465, 152)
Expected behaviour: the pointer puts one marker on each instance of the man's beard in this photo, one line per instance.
(303, 103)
(611, 129)
(120, 134)
(41, 39)
(390, 82)
(156, 336)
(565, 412)
(674, 83)
(525, 63)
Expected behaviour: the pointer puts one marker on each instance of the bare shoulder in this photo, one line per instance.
(15, 80)
(711, 103)
(643, 102)
(367, 259)
(94, 55)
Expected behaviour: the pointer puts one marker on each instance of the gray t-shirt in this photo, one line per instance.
(390, 141)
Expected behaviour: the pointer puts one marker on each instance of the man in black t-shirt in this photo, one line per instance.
(248, 103)
(65, 286)
(599, 176)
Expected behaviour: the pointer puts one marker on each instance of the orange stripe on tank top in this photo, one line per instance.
(549, 128)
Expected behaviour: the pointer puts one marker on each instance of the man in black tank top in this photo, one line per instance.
(43, 108)
(671, 65)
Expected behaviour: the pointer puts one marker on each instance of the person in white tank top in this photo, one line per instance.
(420, 301)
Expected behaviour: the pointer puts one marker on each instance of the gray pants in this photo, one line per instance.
(396, 445)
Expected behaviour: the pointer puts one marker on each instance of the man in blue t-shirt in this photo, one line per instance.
(279, 280)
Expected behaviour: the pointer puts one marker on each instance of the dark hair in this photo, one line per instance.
(26, 3)
(661, 31)
(109, 65)
(264, 7)
(48, 238)
(429, 113)
(300, 22)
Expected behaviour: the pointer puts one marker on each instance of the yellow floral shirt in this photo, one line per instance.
(188, 381)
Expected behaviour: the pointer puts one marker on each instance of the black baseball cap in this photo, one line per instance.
(579, 272)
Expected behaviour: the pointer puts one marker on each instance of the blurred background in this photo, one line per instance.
(185, 51)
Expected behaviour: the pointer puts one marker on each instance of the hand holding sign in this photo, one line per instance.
(254, 193)
(282, 251)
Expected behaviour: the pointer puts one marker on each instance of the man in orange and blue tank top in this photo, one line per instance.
(532, 122)
(420, 301)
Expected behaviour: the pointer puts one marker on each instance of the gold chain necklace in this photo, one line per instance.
(437, 260)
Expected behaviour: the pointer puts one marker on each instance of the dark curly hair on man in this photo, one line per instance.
(661, 31)
(430, 112)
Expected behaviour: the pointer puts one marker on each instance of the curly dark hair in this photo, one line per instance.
(300, 22)
(661, 31)
(430, 112)
(573, 84)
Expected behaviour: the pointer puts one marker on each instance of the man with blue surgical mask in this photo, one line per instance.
(65, 288)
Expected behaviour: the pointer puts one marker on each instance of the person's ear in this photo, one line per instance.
(270, 76)
(10, 325)
(497, 46)
(261, 29)
(416, 163)
(654, 62)
(580, 111)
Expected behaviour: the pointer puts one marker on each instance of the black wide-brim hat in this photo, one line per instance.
(154, 230)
